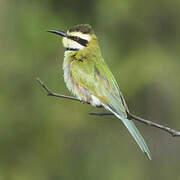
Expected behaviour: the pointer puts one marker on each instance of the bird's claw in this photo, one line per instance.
(83, 102)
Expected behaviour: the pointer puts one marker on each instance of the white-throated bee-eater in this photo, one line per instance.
(88, 77)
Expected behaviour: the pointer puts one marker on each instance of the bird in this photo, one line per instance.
(88, 77)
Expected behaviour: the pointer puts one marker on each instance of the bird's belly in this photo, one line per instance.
(79, 91)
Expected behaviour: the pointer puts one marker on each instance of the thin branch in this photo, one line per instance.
(50, 93)
(150, 123)
(147, 122)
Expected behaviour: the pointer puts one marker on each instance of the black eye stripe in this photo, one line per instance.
(83, 42)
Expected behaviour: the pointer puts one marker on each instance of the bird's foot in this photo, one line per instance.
(83, 102)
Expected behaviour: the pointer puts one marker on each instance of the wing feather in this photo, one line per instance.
(98, 79)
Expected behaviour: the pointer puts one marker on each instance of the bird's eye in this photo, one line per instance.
(76, 38)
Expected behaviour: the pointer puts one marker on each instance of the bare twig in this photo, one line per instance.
(50, 93)
(150, 123)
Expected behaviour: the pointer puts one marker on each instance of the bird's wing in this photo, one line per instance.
(98, 79)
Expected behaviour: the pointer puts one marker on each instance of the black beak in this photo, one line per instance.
(61, 33)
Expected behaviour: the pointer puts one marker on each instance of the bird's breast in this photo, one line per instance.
(81, 92)
(73, 86)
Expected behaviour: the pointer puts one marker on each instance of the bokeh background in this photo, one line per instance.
(45, 138)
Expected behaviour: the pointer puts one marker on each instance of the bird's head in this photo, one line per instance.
(77, 38)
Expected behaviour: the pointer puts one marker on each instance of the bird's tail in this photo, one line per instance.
(133, 131)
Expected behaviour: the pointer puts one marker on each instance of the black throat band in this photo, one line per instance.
(72, 49)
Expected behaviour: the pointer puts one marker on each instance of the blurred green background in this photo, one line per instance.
(44, 138)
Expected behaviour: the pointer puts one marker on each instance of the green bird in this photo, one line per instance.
(88, 77)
